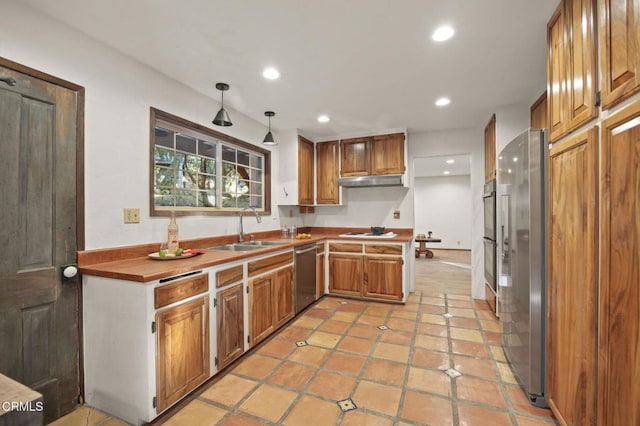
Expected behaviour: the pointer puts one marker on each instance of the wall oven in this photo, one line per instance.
(490, 246)
(489, 201)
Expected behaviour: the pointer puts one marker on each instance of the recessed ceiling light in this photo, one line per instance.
(451, 161)
(323, 119)
(443, 33)
(443, 101)
(515, 159)
(446, 172)
(271, 73)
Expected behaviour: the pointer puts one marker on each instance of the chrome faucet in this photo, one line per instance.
(258, 218)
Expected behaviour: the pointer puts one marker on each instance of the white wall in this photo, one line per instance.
(118, 94)
(459, 141)
(443, 205)
(511, 120)
(364, 207)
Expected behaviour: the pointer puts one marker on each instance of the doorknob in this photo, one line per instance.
(69, 271)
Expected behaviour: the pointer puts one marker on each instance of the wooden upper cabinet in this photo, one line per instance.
(581, 53)
(572, 282)
(539, 113)
(387, 154)
(305, 171)
(327, 173)
(373, 155)
(619, 37)
(619, 330)
(571, 67)
(556, 75)
(355, 156)
(490, 150)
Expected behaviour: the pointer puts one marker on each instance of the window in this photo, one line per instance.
(196, 170)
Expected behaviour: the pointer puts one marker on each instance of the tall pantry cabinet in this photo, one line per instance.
(594, 213)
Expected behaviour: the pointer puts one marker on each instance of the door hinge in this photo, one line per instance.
(153, 327)
(247, 289)
(215, 302)
(215, 361)
(248, 339)
(402, 262)
(598, 100)
(154, 402)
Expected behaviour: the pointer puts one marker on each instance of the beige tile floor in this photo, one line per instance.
(393, 376)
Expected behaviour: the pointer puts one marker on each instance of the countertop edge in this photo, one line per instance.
(145, 270)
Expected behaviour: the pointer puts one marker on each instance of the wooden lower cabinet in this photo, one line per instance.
(271, 303)
(372, 276)
(619, 356)
(230, 316)
(320, 275)
(182, 350)
(345, 274)
(284, 308)
(261, 313)
(383, 277)
(572, 298)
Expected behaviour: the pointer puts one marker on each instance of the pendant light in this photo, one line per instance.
(268, 139)
(222, 118)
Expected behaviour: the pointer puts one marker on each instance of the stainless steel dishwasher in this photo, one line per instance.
(305, 263)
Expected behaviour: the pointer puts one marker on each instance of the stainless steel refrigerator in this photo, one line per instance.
(521, 223)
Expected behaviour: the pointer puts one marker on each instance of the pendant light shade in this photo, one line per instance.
(222, 118)
(268, 139)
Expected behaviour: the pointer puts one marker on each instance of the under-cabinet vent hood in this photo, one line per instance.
(363, 181)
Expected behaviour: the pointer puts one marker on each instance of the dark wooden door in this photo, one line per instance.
(355, 156)
(327, 173)
(39, 344)
(305, 171)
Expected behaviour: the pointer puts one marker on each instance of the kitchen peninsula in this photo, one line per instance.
(156, 330)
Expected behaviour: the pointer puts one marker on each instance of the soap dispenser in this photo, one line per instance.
(172, 234)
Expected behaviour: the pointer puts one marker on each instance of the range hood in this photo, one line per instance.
(364, 181)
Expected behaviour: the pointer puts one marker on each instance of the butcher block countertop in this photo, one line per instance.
(133, 264)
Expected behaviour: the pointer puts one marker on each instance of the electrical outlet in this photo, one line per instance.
(458, 242)
(396, 214)
(131, 215)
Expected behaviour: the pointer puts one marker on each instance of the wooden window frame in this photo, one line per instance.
(161, 117)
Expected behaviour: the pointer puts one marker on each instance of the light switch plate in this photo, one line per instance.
(131, 215)
(396, 214)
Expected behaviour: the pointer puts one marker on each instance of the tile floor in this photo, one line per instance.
(337, 354)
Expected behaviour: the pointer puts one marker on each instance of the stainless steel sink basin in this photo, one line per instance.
(233, 247)
(245, 246)
(261, 243)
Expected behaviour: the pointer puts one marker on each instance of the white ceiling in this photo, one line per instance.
(369, 64)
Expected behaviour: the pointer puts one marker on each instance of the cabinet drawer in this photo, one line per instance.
(228, 276)
(180, 290)
(383, 249)
(268, 263)
(346, 247)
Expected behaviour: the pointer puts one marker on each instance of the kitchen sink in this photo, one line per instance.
(261, 243)
(245, 246)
